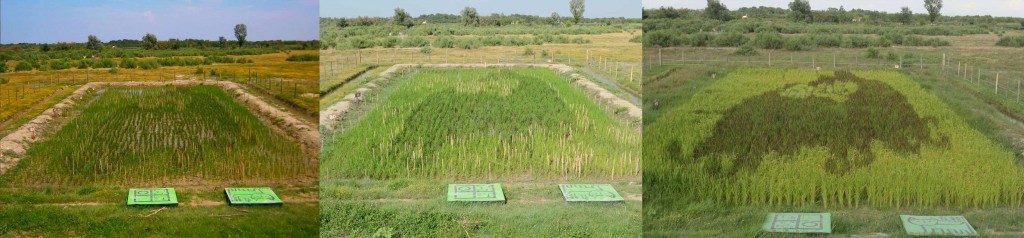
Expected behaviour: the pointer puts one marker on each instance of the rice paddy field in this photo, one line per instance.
(864, 144)
(163, 135)
(474, 123)
(852, 138)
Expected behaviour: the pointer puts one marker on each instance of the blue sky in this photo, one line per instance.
(48, 21)
(1014, 8)
(386, 8)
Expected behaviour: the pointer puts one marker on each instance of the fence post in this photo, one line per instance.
(997, 83)
(659, 57)
(943, 61)
(769, 59)
(631, 79)
(833, 60)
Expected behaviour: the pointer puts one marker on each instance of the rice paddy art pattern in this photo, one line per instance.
(841, 112)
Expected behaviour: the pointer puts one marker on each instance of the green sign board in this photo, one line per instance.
(937, 226)
(475, 193)
(252, 196)
(590, 193)
(799, 223)
(152, 197)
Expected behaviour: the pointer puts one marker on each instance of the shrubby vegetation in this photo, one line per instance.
(775, 40)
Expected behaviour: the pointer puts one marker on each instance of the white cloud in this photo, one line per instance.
(149, 16)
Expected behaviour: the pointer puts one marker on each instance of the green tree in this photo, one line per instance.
(470, 17)
(3, 67)
(933, 7)
(240, 33)
(905, 16)
(222, 42)
(577, 7)
(555, 18)
(174, 43)
(717, 10)
(800, 10)
(402, 18)
(149, 42)
(94, 43)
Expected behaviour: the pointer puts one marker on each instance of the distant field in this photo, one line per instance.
(870, 137)
(295, 83)
(477, 123)
(142, 135)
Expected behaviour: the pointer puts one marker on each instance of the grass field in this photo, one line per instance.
(417, 208)
(480, 123)
(100, 211)
(148, 135)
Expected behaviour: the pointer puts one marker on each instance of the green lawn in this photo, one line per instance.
(417, 208)
(100, 211)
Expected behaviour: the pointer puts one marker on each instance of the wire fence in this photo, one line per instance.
(977, 73)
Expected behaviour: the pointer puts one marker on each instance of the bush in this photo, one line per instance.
(415, 41)
(769, 40)
(114, 70)
(747, 50)
(893, 56)
(304, 57)
(661, 39)
(528, 51)
(468, 44)
(1011, 41)
(199, 71)
(444, 42)
(731, 39)
(794, 44)
(389, 42)
(426, 50)
(360, 43)
(105, 63)
(700, 39)
(22, 66)
(129, 63)
(3, 67)
(873, 53)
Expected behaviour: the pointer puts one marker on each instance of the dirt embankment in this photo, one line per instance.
(602, 95)
(14, 145)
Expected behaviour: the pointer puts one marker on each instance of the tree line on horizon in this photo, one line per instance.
(150, 41)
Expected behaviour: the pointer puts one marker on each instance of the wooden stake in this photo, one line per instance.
(997, 83)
